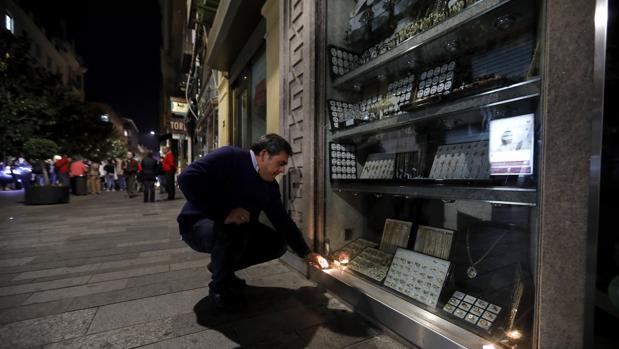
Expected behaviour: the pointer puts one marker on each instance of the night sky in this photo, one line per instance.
(119, 42)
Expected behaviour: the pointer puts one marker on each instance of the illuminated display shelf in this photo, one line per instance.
(469, 27)
(500, 195)
(508, 94)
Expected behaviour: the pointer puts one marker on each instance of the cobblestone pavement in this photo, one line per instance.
(110, 272)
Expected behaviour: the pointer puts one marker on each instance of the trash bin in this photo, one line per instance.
(78, 185)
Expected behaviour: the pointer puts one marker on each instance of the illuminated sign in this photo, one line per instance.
(179, 106)
(176, 125)
(511, 145)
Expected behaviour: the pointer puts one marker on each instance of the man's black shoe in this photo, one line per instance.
(227, 301)
(236, 282)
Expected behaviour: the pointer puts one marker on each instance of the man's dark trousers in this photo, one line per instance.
(234, 247)
(149, 190)
(169, 184)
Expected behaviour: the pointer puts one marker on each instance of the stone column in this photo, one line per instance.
(565, 173)
(224, 116)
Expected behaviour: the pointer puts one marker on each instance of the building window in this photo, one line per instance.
(9, 23)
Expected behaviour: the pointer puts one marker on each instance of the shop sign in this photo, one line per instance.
(178, 125)
(179, 106)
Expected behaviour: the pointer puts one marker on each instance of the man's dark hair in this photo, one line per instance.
(273, 143)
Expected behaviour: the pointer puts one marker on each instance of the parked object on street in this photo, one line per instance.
(43, 191)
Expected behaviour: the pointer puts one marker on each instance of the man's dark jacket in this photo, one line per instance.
(226, 179)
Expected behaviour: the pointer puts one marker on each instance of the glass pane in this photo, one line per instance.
(432, 156)
(259, 92)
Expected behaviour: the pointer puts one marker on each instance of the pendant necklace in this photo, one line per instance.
(471, 272)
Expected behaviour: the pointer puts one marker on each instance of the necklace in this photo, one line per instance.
(471, 272)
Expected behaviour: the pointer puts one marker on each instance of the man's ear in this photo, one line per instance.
(263, 153)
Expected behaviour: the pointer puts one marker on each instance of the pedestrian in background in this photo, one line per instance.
(77, 172)
(120, 174)
(62, 169)
(110, 169)
(131, 169)
(169, 168)
(149, 170)
(93, 181)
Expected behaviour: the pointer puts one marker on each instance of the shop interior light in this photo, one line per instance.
(514, 335)
(504, 22)
(451, 46)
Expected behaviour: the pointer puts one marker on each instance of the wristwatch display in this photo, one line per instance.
(435, 81)
(343, 114)
(475, 311)
(342, 61)
(343, 163)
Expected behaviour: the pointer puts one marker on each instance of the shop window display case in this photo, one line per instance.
(432, 149)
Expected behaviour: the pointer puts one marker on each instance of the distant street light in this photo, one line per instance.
(152, 132)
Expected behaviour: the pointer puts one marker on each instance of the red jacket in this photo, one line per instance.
(168, 163)
(62, 165)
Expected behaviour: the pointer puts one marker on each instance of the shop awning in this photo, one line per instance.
(233, 24)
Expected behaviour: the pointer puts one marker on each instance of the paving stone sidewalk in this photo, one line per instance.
(106, 271)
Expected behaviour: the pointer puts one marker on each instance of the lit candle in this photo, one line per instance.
(515, 334)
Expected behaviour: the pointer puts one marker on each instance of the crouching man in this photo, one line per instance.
(226, 191)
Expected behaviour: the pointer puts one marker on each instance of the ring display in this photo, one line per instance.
(474, 310)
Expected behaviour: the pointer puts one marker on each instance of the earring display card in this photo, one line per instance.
(378, 166)
(343, 162)
(342, 61)
(372, 263)
(417, 276)
(473, 310)
(435, 81)
(354, 248)
(395, 234)
(343, 114)
(461, 161)
(434, 241)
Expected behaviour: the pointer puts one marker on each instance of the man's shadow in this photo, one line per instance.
(284, 318)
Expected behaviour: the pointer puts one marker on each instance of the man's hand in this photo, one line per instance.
(317, 261)
(238, 215)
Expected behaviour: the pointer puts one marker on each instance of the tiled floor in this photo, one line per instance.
(110, 272)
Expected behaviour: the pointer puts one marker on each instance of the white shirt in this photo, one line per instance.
(253, 160)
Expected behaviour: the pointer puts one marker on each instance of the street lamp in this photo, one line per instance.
(152, 132)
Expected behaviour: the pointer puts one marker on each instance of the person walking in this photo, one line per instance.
(93, 182)
(169, 168)
(131, 169)
(148, 173)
